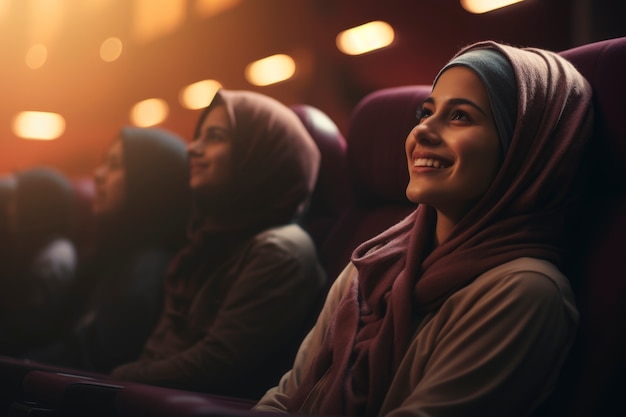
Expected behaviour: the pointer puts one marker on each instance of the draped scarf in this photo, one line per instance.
(275, 165)
(524, 213)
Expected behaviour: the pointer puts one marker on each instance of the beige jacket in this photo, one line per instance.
(231, 336)
(494, 347)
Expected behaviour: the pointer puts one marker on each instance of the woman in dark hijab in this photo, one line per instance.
(462, 308)
(39, 259)
(142, 206)
(246, 284)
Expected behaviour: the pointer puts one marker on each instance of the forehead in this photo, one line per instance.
(460, 82)
(217, 116)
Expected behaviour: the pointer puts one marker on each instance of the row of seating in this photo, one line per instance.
(360, 192)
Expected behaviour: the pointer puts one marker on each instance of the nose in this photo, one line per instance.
(194, 148)
(99, 173)
(426, 134)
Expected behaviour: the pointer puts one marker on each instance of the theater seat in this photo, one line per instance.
(377, 170)
(593, 381)
(332, 194)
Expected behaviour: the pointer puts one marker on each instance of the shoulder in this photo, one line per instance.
(530, 276)
(289, 240)
(524, 284)
(57, 252)
(56, 261)
(60, 249)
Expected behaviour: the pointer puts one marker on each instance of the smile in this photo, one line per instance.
(429, 162)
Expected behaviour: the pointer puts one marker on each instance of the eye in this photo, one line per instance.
(422, 113)
(459, 115)
(215, 135)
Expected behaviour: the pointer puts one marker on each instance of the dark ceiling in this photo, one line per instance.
(95, 97)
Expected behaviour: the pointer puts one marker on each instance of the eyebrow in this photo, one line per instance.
(457, 101)
(211, 130)
(218, 129)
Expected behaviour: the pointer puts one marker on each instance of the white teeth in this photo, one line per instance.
(428, 162)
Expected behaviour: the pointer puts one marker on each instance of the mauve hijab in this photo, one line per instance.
(275, 165)
(522, 214)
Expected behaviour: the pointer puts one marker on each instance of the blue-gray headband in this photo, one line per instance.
(496, 73)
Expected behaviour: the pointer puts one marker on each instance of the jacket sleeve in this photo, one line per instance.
(494, 348)
(277, 398)
(273, 291)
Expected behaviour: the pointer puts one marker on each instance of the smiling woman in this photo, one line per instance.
(239, 294)
(464, 129)
(141, 207)
(461, 308)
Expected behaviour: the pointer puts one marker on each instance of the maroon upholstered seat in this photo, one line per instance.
(332, 194)
(377, 169)
(593, 378)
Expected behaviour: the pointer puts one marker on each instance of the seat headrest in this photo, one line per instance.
(332, 191)
(378, 129)
(604, 64)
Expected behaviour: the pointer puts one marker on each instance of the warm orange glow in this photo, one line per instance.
(154, 18)
(5, 6)
(94, 5)
(46, 19)
(36, 56)
(365, 38)
(208, 8)
(149, 112)
(484, 6)
(111, 49)
(38, 125)
(270, 70)
(199, 95)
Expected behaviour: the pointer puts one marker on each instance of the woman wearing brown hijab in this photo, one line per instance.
(248, 279)
(461, 309)
(141, 207)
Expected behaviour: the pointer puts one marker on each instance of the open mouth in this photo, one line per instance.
(430, 163)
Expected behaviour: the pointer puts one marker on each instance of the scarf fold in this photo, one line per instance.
(523, 214)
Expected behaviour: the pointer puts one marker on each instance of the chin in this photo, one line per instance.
(196, 185)
(415, 195)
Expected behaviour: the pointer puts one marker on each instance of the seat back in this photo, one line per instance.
(377, 169)
(332, 194)
(592, 382)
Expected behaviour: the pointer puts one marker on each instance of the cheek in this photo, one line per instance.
(119, 189)
(482, 159)
(409, 145)
(116, 193)
(223, 167)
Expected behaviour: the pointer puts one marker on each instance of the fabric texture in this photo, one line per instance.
(493, 348)
(119, 295)
(524, 213)
(275, 164)
(240, 331)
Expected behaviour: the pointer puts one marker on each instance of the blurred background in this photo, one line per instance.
(74, 71)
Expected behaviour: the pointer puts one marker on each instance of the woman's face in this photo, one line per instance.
(110, 182)
(210, 154)
(453, 153)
